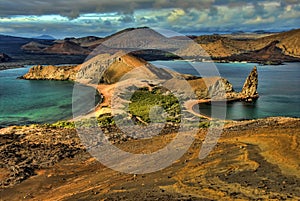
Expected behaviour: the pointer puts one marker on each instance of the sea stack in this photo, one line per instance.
(249, 91)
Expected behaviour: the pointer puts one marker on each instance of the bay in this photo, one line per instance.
(25, 102)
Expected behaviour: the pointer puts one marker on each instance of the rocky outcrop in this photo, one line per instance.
(220, 88)
(4, 57)
(51, 73)
(249, 90)
(211, 87)
(217, 88)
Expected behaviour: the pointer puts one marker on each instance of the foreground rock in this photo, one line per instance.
(42, 163)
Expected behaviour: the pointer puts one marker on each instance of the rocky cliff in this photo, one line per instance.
(51, 73)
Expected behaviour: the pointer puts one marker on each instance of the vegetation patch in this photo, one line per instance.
(156, 106)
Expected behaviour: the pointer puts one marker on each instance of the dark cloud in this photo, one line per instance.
(177, 15)
(73, 8)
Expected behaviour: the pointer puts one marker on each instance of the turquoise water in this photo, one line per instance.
(279, 87)
(31, 101)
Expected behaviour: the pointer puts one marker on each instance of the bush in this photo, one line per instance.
(145, 102)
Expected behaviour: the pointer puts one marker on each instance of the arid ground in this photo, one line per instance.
(253, 160)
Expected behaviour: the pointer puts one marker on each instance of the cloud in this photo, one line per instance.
(79, 18)
(175, 15)
(260, 20)
(73, 8)
(127, 19)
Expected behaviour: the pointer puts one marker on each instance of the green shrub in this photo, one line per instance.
(144, 101)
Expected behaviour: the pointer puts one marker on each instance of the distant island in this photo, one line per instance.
(263, 48)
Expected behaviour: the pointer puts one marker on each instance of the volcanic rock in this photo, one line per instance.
(249, 90)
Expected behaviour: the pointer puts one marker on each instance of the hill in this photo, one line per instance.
(12, 46)
(66, 47)
(34, 47)
(270, 54)
(148, 44)
(287, 47)
(216, 46)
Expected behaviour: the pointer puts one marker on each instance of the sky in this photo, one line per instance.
(77, 18)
